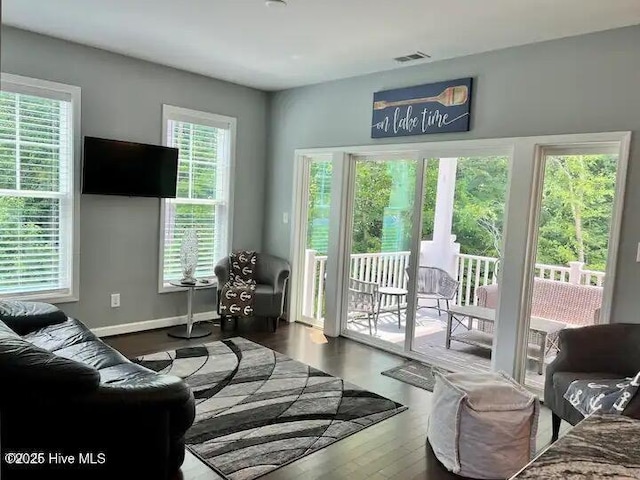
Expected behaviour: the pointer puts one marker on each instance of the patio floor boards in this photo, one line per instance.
(430, 333)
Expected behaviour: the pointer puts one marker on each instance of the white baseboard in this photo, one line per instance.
(150, 324)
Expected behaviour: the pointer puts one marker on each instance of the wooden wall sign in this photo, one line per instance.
(431, 108)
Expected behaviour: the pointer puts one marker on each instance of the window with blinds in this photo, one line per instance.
(202, 200)
(36, 189)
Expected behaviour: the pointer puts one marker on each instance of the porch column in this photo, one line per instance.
(442, 252)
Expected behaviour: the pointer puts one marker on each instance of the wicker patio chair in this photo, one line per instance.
(435, 284)
(363, 298)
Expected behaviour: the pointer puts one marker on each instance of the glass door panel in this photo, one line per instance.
(462, 222)
(320, 172)
(382, 219)
(572, 252)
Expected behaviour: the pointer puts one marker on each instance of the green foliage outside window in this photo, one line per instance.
(33, 132)
(574, 221)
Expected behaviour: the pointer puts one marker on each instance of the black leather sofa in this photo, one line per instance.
(597, 352)
(64, 390)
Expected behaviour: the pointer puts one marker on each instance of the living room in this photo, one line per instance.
(359, 228)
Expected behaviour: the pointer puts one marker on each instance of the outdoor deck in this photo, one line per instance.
(430, 333)
(387, 269)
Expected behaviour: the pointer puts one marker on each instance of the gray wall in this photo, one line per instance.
(581, 84)
(122, 98)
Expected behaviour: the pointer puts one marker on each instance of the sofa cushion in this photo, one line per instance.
(73, 340)
(25, 317)
(118, 376)
(30, 371)
(60, 335)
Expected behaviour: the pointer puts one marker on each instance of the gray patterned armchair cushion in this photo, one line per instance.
(598, 352)
(271, 277)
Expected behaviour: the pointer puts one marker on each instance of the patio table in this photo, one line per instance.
(544, 330)
(392, 292)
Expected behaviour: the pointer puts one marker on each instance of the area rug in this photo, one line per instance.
(257, 410)
(417, 374)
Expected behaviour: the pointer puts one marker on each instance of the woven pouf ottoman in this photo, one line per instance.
(482, 425)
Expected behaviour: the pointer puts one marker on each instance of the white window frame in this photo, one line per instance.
(58, 91)
(170, 112)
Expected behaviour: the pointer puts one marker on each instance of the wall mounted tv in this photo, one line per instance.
(131, 169)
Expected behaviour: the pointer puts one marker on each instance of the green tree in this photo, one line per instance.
(321, 172)
(574, 222)
(576, 210)
(479, 202)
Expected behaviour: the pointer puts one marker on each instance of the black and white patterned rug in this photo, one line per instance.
(257, 410)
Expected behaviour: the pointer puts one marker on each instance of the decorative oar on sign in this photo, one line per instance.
(449, 97)
(431, 108)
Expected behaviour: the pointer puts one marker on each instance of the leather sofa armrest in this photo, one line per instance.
(149, 389)
(26, 317)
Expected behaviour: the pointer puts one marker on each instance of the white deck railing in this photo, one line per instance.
(475, 271)
(388, 270)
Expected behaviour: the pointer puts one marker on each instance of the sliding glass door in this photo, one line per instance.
(460, 246)
(572, 238)
(382, 219)
(424, 254)
(314, 225)
(433, 247)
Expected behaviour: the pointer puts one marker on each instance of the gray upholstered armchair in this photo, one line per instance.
(271, 276)
(597, 352)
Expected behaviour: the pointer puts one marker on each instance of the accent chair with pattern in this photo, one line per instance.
(270, 275)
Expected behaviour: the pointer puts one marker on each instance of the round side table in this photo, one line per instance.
(392, 292)
(191, 330)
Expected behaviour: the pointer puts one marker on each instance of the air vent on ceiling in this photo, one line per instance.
(412, 57)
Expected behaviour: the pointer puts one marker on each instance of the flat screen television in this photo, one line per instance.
(112, 167)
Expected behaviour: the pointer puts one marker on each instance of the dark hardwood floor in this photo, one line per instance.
(392, 449)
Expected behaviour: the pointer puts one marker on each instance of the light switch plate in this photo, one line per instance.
(285, 217)
(115, 300)
(638, 254)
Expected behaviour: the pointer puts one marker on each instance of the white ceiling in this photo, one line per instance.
(309, 41)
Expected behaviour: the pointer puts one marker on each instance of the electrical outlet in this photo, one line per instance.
(115, 300)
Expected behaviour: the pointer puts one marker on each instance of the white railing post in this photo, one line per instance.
(322, 266)
(575, 272)
(309, 283)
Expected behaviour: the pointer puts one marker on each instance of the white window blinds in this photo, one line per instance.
(36, 194)
(202, 200)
